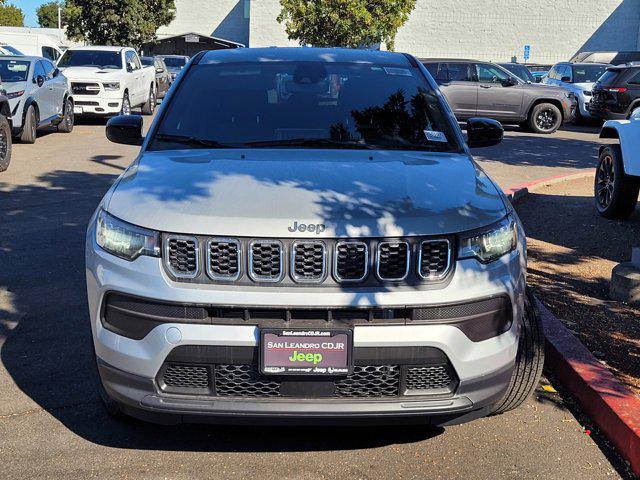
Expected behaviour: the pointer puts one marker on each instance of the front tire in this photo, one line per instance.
(545, 118)
(616, 194)
(529, 359)
(66, 125)
(30, 126)
(150, 105)
(5, 143)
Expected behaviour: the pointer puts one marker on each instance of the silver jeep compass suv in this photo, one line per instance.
(305, 236)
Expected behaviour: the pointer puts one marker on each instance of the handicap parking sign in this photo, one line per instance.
(527, 52)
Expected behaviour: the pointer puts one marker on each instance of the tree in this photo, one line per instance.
(48, 14)
(344, 23)
(117, 22)
(10, 15)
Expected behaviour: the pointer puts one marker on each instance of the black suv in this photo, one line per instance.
(616, 95)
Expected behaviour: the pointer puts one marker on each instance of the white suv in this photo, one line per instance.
(305, 235)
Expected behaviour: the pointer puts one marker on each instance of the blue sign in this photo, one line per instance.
(527, 52)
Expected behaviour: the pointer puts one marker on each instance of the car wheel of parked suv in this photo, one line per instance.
(5, 143)
(635, 112)
(30, 126)
(66, 125)
(616, 194)
(529, 360)
(150, 106)
(545, 118)
(126, 105)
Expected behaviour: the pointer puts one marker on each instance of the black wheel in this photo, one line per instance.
(30, 126)
(545, 118)
(126, 105)
(635, 112)
(68, 118)
(150, 106)
(616, 194)
(5, 143)
(529, 359)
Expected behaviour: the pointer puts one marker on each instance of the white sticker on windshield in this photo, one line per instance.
(434, 136)
(398, 71)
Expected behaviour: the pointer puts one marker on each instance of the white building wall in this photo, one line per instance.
(265, 31)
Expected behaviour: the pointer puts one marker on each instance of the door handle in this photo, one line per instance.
(485, 86)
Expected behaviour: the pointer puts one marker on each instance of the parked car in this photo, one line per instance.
(475, 88)
(578, 78)
(290, 257)
(38, 94)
(32, 44)
(175, 63)
(520, 71)
(616, 95)
(613, 58)
(617, 180)
(163, 77)
(5, 130)
(109, 80)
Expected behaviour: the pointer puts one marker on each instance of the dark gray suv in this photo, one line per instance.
(475, 88)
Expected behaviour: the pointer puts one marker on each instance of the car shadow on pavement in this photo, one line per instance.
(45, 337)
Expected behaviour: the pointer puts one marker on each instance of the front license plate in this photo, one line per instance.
(77, 109)
(305, 352)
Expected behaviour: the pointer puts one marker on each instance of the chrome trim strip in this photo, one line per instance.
(228, 278)
(335, 261)
(166, 255)
(296, 277)
(407, 268)
(257, 278)
(448, 267)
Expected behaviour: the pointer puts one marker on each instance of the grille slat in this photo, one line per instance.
(370, 381)
(223, 259)
(393, 260)
(265, 261)
(351, 261)
(428, 377)
(181, 254)
(434, 259)
(308, 261)
(186, 376)
(243, 381)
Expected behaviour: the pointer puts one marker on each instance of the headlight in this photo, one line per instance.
(125, 240)
(111, 85)
(488, 246)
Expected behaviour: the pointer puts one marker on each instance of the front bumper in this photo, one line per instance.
(129, 367)
(103, 104)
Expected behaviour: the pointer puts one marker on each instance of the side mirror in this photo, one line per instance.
(130, 66)
(483, 132)
(565, 79)
(538, 79)
(39, 80)
(125, 129)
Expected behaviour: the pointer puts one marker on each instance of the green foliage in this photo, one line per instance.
(48, 14)
(117, 22)
(344, 23)
(10, 15)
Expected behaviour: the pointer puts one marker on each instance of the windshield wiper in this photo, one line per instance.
(193, 141)
(310, 142)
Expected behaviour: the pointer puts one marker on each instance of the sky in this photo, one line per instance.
(29, 9)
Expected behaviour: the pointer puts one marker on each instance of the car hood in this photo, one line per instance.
(263, 192)
(91, 73)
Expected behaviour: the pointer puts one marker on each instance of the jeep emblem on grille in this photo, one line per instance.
(307, 227)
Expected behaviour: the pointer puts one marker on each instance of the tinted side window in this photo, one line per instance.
(488, 73)
(130, 57)
(48, 69)
(50, 53)
(39, 70)
(459, 72)
(635, 79)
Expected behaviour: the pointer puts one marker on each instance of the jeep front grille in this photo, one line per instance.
(351, 261)
(181, 256)
(223, 259)
(308, 261)
(434, 259)
(266, 260)
(393, 260)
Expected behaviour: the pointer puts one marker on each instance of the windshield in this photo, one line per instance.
(608, 77)
(306, 105)
(175, 61)
(588, 73)
(14, 70)
(91, 58)
(11, 50)
(520, 71)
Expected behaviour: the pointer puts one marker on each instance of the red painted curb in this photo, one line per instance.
(612, 407)
(516, 192)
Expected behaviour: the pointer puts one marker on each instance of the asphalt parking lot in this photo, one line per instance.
(53, 426)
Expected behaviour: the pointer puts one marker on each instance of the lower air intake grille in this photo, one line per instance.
(370, 381)
(186, 376)
(265, 259)
(308, 261)
(182, 256)
(434, 259)
(224, 259)
(243, 381)
(428, 377)
(393, 260)
(352, 261)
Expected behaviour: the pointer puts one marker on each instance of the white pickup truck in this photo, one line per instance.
(108, 80)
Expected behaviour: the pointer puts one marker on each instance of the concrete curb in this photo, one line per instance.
(612, 407)
(517, 192)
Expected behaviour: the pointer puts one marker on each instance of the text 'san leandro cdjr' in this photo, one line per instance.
(305, 236)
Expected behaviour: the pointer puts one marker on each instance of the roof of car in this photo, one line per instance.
(22, 57)
(100, 47)
(333, 55)
(584, 64)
